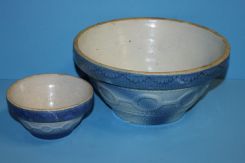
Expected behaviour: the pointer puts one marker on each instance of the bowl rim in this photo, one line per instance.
(212, 64)
(52, 109)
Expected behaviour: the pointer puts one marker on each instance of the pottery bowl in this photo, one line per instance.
(50, 105)
(151, 70)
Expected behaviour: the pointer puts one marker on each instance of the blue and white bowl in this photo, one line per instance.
(50, 105)
(151, 70)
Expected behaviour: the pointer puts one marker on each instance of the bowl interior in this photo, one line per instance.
(49, 92)
(151, 45)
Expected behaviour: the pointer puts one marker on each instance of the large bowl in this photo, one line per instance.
(50, 105)
(151, 70)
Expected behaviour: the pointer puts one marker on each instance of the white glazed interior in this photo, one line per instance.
(151, 45)
(49, 92)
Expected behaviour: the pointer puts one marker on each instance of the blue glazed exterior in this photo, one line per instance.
(149, 107)
(52, 136)
(50, 116)
(126, 85)
(150, 81)
(50, 124)
(52, 130)
(144, 97)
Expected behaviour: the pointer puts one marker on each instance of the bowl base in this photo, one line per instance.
(53, 130)
(52, 136)
(146, 120)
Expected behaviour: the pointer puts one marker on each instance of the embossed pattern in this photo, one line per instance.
(49, 129)
(149, 107)
(147, 81)
(156, 77)
(150, 98)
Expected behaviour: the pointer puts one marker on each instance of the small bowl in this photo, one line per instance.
(50, 106)
(151, 70)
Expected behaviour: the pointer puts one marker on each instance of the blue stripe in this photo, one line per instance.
(149, 81)
(50, 116)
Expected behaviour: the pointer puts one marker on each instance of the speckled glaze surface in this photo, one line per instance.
(139, 85)
(42, 113)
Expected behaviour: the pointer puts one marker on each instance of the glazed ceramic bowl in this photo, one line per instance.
(50, 105)
(151, 70)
